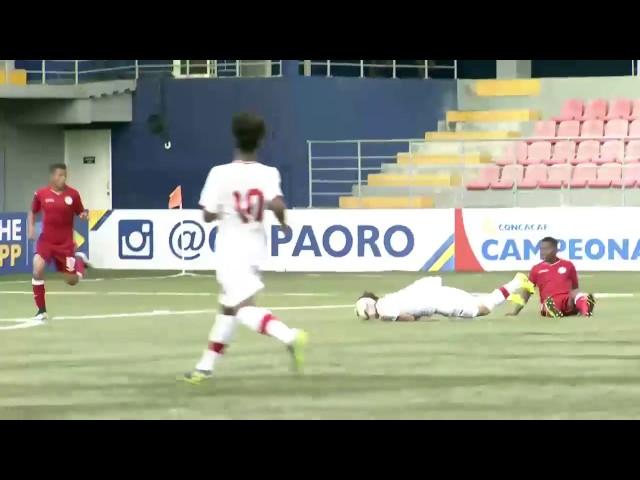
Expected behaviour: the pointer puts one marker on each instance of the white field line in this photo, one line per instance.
(163, 294)
(350, 274)
(149, 277)
(159, 313)
(164, 277)
(211, 294)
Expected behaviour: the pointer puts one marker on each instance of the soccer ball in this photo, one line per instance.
(365, 308)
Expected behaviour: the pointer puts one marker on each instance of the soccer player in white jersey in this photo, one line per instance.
(237, 194)
(427, 297)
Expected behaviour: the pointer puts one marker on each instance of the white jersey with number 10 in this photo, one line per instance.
(238, 192)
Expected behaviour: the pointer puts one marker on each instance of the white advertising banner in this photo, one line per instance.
(319, 240)
(508, 239)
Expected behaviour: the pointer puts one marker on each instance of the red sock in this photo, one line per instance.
(38, 294)
(80, 267)
(582, 305)
(217, 347)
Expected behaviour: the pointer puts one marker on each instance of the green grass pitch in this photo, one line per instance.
(108, 356)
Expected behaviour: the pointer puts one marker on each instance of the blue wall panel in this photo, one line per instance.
(198, 112)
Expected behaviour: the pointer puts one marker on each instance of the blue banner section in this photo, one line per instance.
(16, 250)
(14, 245)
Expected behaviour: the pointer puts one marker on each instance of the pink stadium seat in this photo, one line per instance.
(607, 173)
(619, 108)
(592, 129)
(538, 152)
(634, 129)
(568, 129)
(595, 110)
(487, 175)
(514, 152)
(563, 152)
(617, 128)
(558, 176)
(588, 151)
(544, 129)
(533, 176)
(510, 175)
(571, 110)
(610, 151)
(630, 177)
(583, 174)
(635, 110)
(632, 153)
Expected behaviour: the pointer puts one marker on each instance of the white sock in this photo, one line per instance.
(219, 337)
(493, 299)
(263, 321)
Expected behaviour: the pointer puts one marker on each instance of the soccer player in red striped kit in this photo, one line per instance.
(59, 204)
(557, 281)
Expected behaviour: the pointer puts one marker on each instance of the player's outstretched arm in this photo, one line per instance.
(521, 298)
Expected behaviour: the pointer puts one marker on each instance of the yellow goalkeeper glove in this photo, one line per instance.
(517, 299)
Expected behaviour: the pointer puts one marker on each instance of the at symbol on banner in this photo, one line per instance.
(187, 239)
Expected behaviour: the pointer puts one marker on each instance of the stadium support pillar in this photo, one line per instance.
(289, 68)
(513, 69)
(7, 65)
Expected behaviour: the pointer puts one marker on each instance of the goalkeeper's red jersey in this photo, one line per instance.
(553, 279)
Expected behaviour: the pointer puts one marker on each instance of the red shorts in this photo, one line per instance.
(564, 303)
(64, 256)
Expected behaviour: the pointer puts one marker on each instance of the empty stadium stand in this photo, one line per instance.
(502, 157)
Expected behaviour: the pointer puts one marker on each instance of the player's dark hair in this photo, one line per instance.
(370, 295)
(57, 166)
(551, 240)
(248, 130)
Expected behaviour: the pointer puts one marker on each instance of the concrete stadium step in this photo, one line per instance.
(445, 197)
(405, 158)
(14, 77)
(472, 102)
(374, 191)
(466, 171)
(423, 180)
(525, 128)
(507, 88)
(468, 100)
(386, 202)
(473, 135)
(492, 148)
(492, 116)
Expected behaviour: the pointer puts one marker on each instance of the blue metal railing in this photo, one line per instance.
(73, 72)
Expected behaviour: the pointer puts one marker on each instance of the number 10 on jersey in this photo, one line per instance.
(250, 205)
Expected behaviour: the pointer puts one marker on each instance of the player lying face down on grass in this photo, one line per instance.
(236, 194)
(427, 297)
(59, 204)
(557, 282)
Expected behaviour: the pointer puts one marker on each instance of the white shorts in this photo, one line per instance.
(453, 302)
(238, 283)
